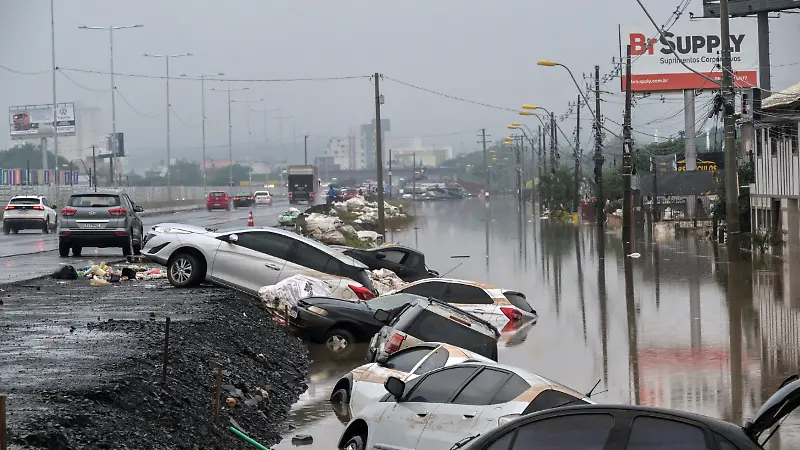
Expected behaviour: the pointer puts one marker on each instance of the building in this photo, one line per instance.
(366, 144)
(772, 139)
(341, 152)
(425, 156)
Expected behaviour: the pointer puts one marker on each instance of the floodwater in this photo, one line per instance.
(677, 332)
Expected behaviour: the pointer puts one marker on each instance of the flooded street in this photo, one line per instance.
(678, 332)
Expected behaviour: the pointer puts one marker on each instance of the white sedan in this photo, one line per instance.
(29, 212)
(263, 198)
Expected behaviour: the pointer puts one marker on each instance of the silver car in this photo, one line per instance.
(247, 258)
(100, 219)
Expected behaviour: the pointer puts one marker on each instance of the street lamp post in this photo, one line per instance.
(203, 108)
(169, 157)
(305, 149)
(230, 128)
(113, 87)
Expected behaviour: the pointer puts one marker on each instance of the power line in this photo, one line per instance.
(23, 72)
(452, 97)
(237, 80)
(134, 109)
(82, 86)
(175, 114)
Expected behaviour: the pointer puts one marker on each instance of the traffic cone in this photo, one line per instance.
(250, 222)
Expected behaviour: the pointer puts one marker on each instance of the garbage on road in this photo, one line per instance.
(289, 217)
(385, 281)
(286, 293)
(103, 275)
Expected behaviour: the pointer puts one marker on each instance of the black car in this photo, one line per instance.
(621, 427)
(243, 200)
(339, 324)
(407, 263)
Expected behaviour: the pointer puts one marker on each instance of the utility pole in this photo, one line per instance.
(379, 155)
(542, 153)
(578, 155)
(390, 174)
(414, 178)
(55, 106)
(731, 172)
(519, 168)
(485, 162)
(552, 143)
(305, 149)
(94, 169)
(627, 200)
(598, 152)
(230, 131)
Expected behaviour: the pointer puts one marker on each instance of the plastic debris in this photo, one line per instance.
(287, 292)
(385, 281)
(230, 401)
(99, 282)
(66, 273)
(288, 217)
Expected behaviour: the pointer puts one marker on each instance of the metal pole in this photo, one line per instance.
(485, 162)
(55, 103)
(169, 157)
(379, 156)
(230, 143)
(305, 149)
(519, 170)
(552, 143)
(598, 151)
(203, 107)
(414, 175)
(390, 173)
(113, 106)
(627, 200)
(577, 201)
(94, 169)
(690, 148)
(731, 172)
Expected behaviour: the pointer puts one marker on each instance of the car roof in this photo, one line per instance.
(439, 306)
(18, 197)
(106, 191)
(535, 380)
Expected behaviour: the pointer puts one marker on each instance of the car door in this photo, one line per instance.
(429, 288)
(49, 212)
(585, 431)
(369, 386)
(655, 433)
(470, 298)
(456, 419)
(254, 260)
(401, 425)
(136, 221)
(502, 404)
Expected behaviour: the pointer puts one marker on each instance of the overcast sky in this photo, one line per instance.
(482, 51)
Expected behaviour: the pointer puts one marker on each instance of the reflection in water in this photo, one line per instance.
(630, 307)
(602, 299)
(735, 297)
(694, 296)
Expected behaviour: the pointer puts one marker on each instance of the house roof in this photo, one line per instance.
(783, 98)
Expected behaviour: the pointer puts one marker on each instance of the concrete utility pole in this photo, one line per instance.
(552, 143)
(542, 152)
(203, 111)
(763, 54)
(598, 152)
(230, 132)
(379, 155)
(483, 136)
(520, 148)
(55, 108)
(305, 149)
(689, 133)
(577, 201)
(731, 166)
(627, 153)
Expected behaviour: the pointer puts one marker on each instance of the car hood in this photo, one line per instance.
(181, 227)
(781, 404)
(325, 302)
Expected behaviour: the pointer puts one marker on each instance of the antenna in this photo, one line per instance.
(589, 395)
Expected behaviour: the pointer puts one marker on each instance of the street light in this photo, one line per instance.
(547, 63)
(169, 159)
(203, 108)
(230, 128)
(113, 87)
(248, 113)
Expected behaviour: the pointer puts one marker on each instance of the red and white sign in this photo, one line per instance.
(656, 61)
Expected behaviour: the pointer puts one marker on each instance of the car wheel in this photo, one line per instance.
(63, 249)
(6, 228)
(127, 249)
(341, 395)
(356, 443)
(340, 342)
(184, 270)
(76, 250)
(137, 248)
(46, 226)
(15, 230)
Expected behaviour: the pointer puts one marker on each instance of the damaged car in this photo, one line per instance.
(248, 258)
(407, 263)
(443, 406)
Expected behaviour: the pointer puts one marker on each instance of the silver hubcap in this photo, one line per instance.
(181, 270)
(337, 343)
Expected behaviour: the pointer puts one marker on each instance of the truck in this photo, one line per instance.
(302, 181)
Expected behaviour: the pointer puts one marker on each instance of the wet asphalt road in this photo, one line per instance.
(683, 334)
(31, 254)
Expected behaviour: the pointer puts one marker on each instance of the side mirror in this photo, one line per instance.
(382, 316)
(395, 386)
(138, 209)
(233, 238)
(382, 359)
(380, 255)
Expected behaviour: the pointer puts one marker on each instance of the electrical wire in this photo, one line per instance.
(134, 109)
(175, 114)
(80, 85)
(452, 97)
(237, 80)
(23, 72)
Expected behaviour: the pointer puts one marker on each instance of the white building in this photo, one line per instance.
(425, 156)
(341, 152)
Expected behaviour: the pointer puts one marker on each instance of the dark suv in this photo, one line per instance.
(100, 219)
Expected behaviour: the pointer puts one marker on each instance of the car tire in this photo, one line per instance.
(183, 270)
(137, 248)
(6, 228)
(46, 226)
(356, 443)
(63, 249)
(127, 249)
(341, 395)
(76, 250)
(339, 342)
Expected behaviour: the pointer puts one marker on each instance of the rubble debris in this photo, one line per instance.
(288, 217)
(286, 293)
(372, 237)
(302, 439)
(385, 281)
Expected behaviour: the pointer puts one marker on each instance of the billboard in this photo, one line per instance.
(114, 146)
(656, 61)
(36, 121)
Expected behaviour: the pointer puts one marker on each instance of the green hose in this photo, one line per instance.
(247, 438)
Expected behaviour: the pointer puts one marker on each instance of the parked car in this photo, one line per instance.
(247, 258)
(407, 263)
(243, 200)
(442, 407)
(364, 384)
(620, 427)
(218, 200)
(100, 219)
(339, 324)
(29, 212)
(263, 198)
(431, 320)
(498, 305)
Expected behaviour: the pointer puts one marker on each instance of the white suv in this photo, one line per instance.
(29, 212)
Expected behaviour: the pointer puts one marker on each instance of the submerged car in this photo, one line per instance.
(247, 258)
(407, 263)
(442, 407)
(622, 427)
(364, 384)
(338, 324)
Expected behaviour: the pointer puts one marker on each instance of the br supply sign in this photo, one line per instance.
(656, 60)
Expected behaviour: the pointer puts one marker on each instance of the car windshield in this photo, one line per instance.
(243, 194)
(519, 301)
(94, 200)
(216, 194)
(432, 327)
(24, 201)
(387, 302)
(262, 193)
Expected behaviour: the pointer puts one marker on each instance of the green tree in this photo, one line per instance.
(27, 155)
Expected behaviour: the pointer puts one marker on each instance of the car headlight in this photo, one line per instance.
(317, 310)
(158, 229)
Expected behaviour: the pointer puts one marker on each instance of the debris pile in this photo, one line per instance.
(368, 211)
(285, 294)
(288, 217)
(103, 275)
(385, 281)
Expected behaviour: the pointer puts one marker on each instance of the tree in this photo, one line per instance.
(28, 156)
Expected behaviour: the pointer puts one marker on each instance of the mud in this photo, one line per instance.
(82, 366)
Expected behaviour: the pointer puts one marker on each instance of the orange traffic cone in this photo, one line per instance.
(250, 222)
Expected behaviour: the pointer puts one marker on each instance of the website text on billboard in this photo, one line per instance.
(36, 121)
(658, 63)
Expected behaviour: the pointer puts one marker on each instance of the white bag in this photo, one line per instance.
(287, 292)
